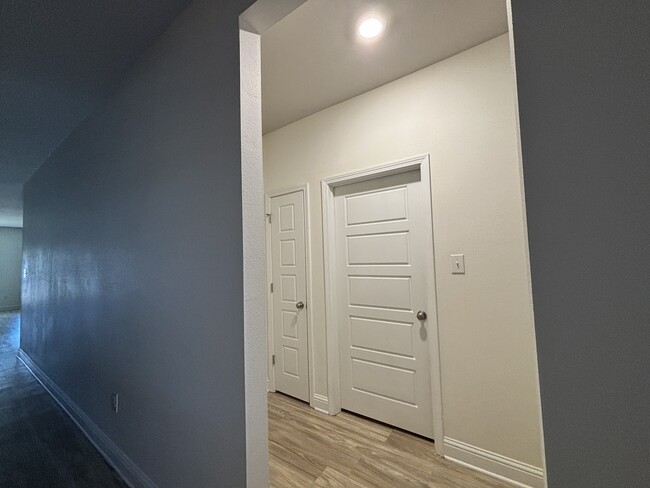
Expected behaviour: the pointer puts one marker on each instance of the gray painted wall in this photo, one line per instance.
(133, 250)
(11, 261)
(584, 93)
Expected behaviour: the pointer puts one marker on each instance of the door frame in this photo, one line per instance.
(328, 186)
(269, 298)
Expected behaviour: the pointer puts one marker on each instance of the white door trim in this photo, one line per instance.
(269, 299)
(329, 245)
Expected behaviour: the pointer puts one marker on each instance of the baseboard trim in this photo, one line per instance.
(320, 403)
(506, 469)
(125, 467)
(10, 308)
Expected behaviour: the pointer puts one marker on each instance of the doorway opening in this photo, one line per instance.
(11, 259)
(381, 143)
(380, 289)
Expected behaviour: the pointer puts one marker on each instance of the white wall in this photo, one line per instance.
(134, 259)
(462, 112)
(11, 265)
(257, 465)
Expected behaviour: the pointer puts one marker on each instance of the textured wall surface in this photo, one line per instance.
(133, 253)
(11, 265)
(584, 98)
(254, 262)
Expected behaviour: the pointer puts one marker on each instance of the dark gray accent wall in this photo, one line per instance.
(583, 70)
(133, 255)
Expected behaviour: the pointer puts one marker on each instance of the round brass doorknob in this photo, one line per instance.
(421, 315)
(300, 305)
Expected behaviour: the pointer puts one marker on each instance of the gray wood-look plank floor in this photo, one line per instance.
(311, 449)
(40, 447)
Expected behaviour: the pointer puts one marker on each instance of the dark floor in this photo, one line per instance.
(40, 447)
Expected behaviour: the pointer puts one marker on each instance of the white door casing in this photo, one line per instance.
(288, 271)
(379, 274)
(381, 284)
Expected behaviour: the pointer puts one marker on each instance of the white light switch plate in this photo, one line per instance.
(457, 264)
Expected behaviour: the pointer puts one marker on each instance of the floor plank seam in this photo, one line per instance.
(350, 451)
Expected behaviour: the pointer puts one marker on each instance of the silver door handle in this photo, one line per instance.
(300, 305)
(421, 315)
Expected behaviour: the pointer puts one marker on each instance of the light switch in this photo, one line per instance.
(457, 264)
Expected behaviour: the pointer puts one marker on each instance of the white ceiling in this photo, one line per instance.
(313, 59)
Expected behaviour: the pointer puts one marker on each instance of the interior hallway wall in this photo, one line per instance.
(584, 90)
(462, 112)
(257, 453)
(11, 265)
(133, 255)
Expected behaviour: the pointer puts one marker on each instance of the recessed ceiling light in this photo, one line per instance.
(371, 28)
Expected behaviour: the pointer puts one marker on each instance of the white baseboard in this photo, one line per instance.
(127, 469)
(320, 403)
(501, 467)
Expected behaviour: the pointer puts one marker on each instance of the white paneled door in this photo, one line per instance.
(288, 260)
(381, 285)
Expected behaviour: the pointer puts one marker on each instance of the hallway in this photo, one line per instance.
(40, 447)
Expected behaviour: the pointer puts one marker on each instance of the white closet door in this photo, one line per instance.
(289, 295)
(381, 284)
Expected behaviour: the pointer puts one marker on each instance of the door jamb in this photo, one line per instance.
(329, 244)
(313, 402)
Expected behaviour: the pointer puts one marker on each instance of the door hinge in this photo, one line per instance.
(273, 359)
(269, 216)
(271, 287)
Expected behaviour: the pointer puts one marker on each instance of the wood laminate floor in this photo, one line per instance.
(40, 447)
(311, 449)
